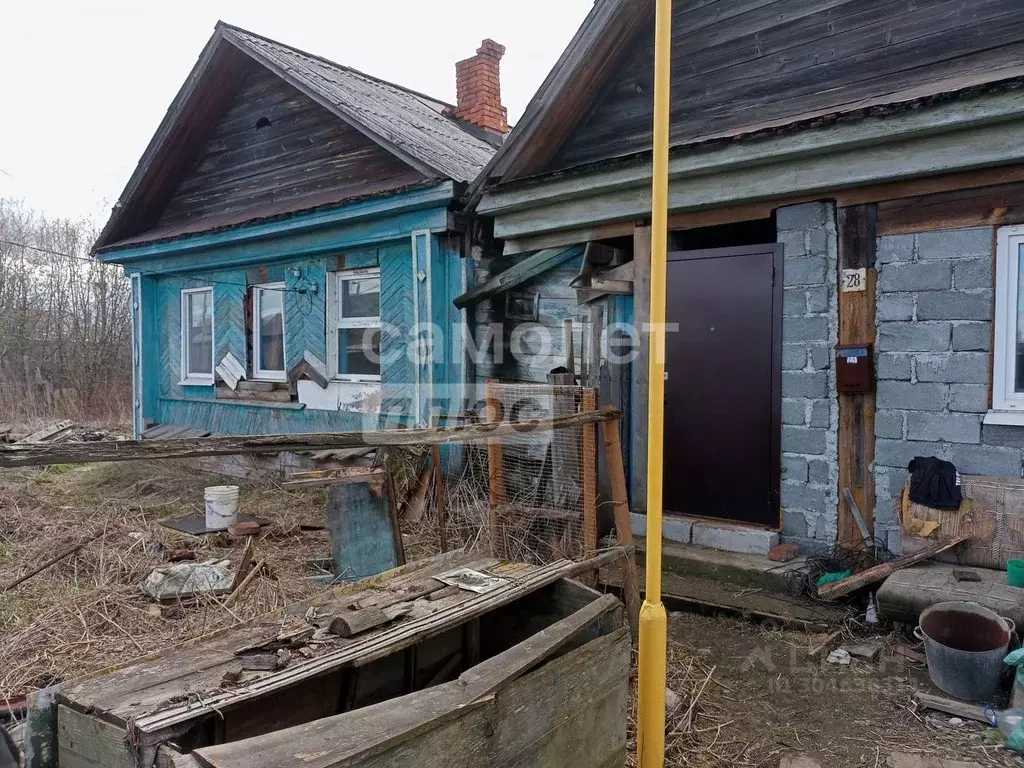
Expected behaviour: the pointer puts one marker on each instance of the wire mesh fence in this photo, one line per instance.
(530, 497)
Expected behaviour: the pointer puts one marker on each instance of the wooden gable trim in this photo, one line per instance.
(170, 151)
(558, 105)
(424, 168)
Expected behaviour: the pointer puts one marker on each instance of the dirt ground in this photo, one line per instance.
(762, 697)
(755, 695)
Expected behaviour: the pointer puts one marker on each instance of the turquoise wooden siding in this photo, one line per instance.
(231, 418)
(397, 325)
(305, 307)
(229, 316)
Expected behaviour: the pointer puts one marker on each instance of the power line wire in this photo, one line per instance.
(91, 260)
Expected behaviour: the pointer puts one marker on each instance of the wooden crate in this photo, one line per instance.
(533, 673)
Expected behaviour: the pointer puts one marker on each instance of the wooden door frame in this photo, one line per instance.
(775, 427)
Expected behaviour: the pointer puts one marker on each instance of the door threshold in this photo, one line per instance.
(711, 534)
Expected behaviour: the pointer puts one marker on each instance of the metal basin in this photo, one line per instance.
(965, 644)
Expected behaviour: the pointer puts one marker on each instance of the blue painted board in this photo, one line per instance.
(363, 537)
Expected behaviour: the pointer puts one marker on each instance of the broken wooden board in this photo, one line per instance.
(328, 477)
(881, 572)
(963, 709)
(48, 433)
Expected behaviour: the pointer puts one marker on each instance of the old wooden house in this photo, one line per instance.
(846, 192)
(293, 238)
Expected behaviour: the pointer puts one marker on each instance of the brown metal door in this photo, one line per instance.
(722, 394)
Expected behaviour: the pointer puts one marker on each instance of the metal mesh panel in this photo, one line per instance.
(530, 497)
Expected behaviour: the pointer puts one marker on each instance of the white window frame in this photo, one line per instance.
(258, 374)
(197, 379)
(1007, 404)
(335, 322)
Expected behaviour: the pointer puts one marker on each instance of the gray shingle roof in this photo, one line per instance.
(412, 123)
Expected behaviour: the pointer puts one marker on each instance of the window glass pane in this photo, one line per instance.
(271, 304)
(200, 333)
(1018, 378)
(359, 352)
(360, 297)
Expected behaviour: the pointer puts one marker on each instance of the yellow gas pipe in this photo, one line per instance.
(653, 620)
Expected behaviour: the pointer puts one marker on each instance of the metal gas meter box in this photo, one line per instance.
(855, 370)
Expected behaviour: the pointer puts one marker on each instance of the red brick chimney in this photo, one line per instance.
(478, 80)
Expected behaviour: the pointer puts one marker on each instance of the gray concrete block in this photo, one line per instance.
(1003, 435)
(922, 276)
(948, 427)
(794, 469)
(954, 368)
(805, 271)
(954, 305)
(794, 523)
(794, 412)
(817, 240)
(895, 307)
(802, 440)
(972, 337)
(904, 396)
(821, 414)
(793, 243)
(802, 216)
(797, 329)
(892, 248)
(818, 472)
(886, 508)
(794, 357)
(968, 398)
(898, 453)
(794, 302)
(889, 424)
(954, 243)
(912, 337)
(973, 273)
(985, 460)
(893, 366)
(676, 529)
(817, 298)
(733, 539)
(821, 357)
(799, 496)
(804, 384)
(638, 524)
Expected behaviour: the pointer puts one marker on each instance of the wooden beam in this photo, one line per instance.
(589, 405)
(641, 362)
(623, 526)
(495, 467)
(146, 450)
(857, 411)
(517, 274)
(439, 508)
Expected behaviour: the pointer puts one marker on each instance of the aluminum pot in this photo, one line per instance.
(965, 644)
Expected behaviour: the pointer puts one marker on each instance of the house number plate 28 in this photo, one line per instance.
(854, 280)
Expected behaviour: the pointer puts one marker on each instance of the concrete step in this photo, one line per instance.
(740, 569)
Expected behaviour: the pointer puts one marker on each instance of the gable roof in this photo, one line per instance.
(414, 127)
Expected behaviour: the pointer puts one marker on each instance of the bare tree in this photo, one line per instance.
(65, 322)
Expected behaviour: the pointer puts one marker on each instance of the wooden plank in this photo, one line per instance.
(167, 757)
(47, 433)
(623, 523)
(640, 364)
(997, 205)
(439, 504)
(84, 741)
(589, 460)
(332, 477)
(518, 273)
(432, 728)
(880, 572)
(857, 241)
(363, 535)
(495, 467)
(144, 450)
(963, 709)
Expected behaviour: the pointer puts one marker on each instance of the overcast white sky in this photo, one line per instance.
(83, 85)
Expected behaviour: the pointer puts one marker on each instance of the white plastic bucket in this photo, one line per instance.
(221, 507)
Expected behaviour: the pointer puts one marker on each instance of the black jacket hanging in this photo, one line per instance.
(934, 483)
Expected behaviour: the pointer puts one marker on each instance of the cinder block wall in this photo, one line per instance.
(809, 406)
(934, 317)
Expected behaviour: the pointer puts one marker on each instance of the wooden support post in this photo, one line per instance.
(570, 352)
(623, 528)
(439, 508)
(589, 476)
(495, 467)
(641, 363)
(857, 226)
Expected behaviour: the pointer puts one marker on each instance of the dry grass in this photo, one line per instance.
(85, 614)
